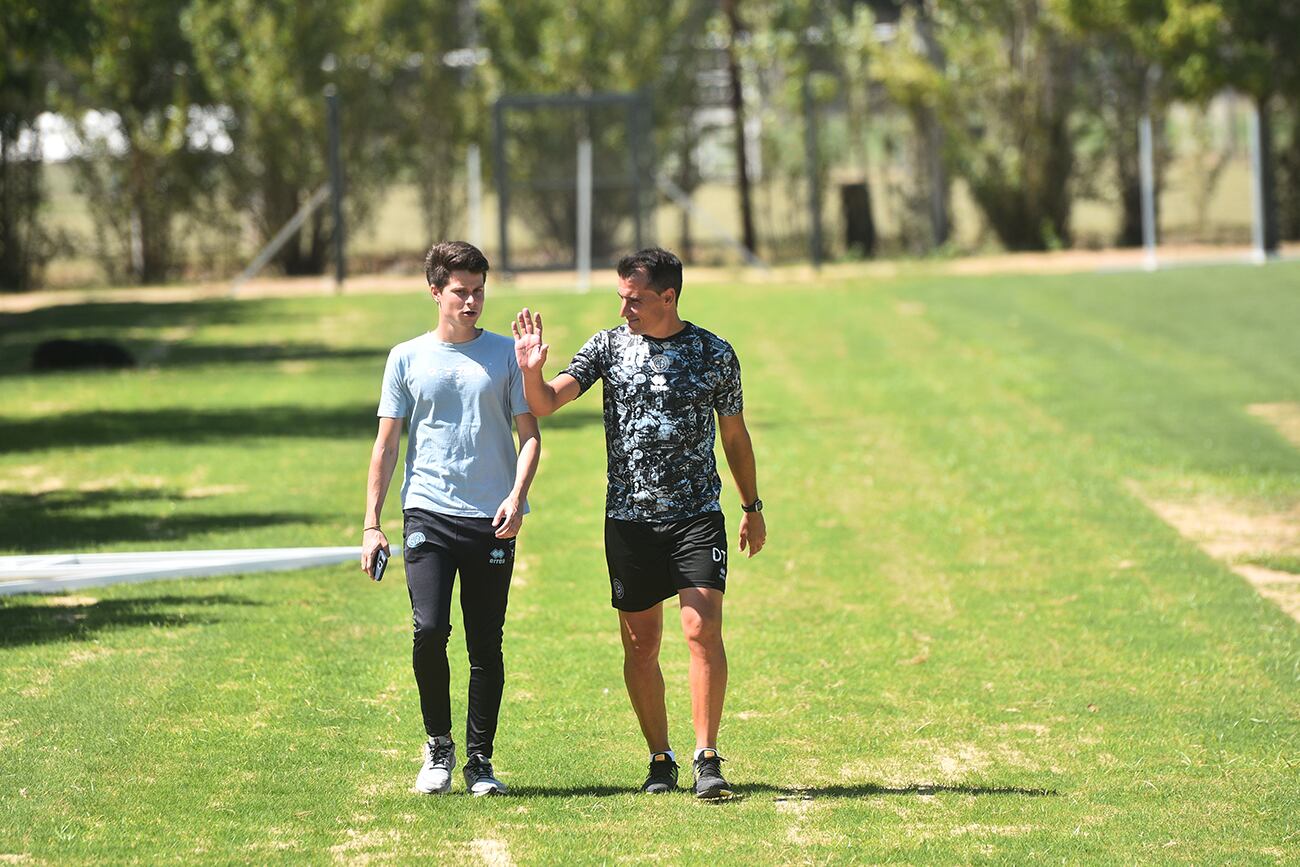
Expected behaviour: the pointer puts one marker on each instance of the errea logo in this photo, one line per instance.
(497, 556)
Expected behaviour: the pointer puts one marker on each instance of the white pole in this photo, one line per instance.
(1148, 181)
(474, 177)
(584, 215)
(1257, 254)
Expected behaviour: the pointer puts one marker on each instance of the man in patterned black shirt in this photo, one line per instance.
(664, 379)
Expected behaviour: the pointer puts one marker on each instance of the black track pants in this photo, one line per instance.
(437, 548)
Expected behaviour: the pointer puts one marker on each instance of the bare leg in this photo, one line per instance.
(642, 631)
(702, 624)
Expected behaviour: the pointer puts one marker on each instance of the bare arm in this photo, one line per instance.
(510, 514)
(543, 397)
(383, 458)
(739, 449)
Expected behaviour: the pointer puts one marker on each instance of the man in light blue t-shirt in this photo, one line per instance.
(459, 390)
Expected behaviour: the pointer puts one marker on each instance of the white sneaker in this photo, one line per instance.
(479, 778)
(439, 762)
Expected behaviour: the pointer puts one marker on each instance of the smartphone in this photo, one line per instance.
(378, 563)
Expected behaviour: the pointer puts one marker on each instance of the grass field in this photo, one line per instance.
(967, 639)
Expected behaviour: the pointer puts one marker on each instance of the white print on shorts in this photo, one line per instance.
(719, 555)
(415, 540)
(497, 556)
(618, 589)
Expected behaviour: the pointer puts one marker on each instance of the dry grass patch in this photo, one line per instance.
(493, 853)
(1236, 531)
(1283, 416)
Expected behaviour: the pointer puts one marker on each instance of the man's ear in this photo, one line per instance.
(666, 296)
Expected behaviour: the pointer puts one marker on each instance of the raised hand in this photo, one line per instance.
(530, 351)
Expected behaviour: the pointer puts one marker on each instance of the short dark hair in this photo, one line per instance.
(448, 256)
(662, 269)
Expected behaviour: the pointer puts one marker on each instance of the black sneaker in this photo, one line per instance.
(709, 783)
(479, 778)
(663, 775)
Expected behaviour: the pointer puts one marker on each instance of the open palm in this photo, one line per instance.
(530, 351)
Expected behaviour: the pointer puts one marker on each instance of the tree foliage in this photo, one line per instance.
(143, 172)
(34, 37)
(559, 46)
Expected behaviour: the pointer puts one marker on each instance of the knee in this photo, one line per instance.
(641, 650)
(702, 633)
(484, 646)
(431, 636)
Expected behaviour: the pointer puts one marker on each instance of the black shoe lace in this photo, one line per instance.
(440, 753)
(480, 768)
(662, 772)
(709, 766)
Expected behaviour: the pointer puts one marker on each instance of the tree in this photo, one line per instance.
(1006, 99)
(142, 171)
(33, 37)
(426, 53)
(269, 62)
(1124, 59)
(1252, 46)
(563, 47)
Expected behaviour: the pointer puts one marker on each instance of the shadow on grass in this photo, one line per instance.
(171, 355)
(28, 623)
(80, 519)
(115, 427)
(791, 793)
(130, 324)
(20, 332)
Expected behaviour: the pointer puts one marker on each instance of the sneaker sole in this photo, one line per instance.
(420, 791)
(719, 794)
(488, 793)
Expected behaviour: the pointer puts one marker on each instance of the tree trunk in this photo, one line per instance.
(1289, 181)
(748, 236)
(1268, 179)
(932, 139)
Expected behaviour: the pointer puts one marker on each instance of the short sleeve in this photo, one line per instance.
(728, 397)
(518, 403)
(589, 363)
(394, 397)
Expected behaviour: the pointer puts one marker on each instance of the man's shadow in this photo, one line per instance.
(795, 793)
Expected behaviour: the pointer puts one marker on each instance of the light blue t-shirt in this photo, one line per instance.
(459, 400)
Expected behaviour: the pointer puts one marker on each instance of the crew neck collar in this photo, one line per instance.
(479, 332)
(687, 328)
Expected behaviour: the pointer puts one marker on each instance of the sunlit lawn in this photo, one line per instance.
(966, 640)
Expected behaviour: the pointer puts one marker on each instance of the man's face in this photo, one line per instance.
(461, 300)
(642, 307)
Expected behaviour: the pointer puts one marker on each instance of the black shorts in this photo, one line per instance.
(649, 563)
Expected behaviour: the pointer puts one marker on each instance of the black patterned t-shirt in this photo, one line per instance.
(660, 397)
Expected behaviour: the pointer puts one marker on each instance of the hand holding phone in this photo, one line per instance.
(378, 563)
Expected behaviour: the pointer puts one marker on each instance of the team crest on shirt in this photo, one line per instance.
(659, 363)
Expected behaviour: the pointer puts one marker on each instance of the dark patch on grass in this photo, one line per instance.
(41, 623)
(20, 332)
(115, 427)
(184, 354)
(81, 519)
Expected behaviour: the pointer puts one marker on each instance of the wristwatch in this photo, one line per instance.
(756, 506)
